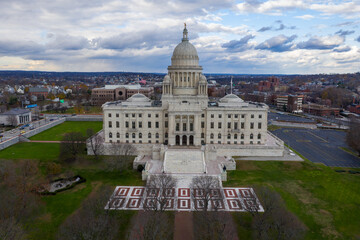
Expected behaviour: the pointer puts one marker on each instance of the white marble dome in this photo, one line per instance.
(185, 53)
(231, 98)
(138, 97)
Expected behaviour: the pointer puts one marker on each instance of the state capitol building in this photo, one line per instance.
(184, 117)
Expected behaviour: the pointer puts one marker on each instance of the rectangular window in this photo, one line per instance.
(184, 127)
(117, 124)
(110, 124)
(202, 124)
(242, 125)
(126, 124)
(219, 125)
(127, 115)
(166, 115)
(211, 125)
(149, 124)
(157, 124)
(259, 125)
(133, 115)
(133, 125)
(229, 115)
(260, 116)
(252, 115)
(252, 125)
(212, 115)
(149, 115)
(157, 115)
(117, 115)
(202, 115)
(236, 115)
(109, 114)
(236, 126)
(220, 115)
(177, 126)
(191, 127)
(229, 124)
(242, 115)
(140, 124)
(166, 124)
(140, 115)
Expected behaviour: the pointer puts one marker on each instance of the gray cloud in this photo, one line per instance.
(357, 39)
(19, 48)
(342, 49)
(280, 43)
(344, 33)
(238, 46)
(321, 43)
(264, 29)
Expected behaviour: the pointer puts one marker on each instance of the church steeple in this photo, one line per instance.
(185, 34)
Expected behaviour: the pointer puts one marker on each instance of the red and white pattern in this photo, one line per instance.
(180, 199)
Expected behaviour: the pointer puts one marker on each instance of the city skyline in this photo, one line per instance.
(239, 37)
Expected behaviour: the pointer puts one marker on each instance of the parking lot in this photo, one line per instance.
(279, 116)
(319, 145)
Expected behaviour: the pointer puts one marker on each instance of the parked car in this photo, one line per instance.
(32, 127)
(22, 127)
(22, 132)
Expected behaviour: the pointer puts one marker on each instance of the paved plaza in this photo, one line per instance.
(189, 161)
(181, 199)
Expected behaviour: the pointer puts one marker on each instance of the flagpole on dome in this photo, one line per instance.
(138, 84)
(231, 85)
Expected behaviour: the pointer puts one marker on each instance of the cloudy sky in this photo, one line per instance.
(253, 36)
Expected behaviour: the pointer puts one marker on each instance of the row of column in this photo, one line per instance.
(184, 79)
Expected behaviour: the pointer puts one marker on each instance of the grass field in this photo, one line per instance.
(28, 150)
(56, 133)
(326, 201)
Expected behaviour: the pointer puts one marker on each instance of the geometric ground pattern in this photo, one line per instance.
(179, 199)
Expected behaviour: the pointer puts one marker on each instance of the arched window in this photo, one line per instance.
(133, 135)
(140, 135)
(229, 136)
(212, 136)
(259, 136)
(110, 135)
(219, 136)
(149, 135)
(242, 136)
(127, 135)
(117, 135)
(251, 136)
(235, 136)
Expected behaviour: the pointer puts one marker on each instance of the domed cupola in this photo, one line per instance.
(185, 53)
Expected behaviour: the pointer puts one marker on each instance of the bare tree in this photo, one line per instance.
(276, 222)
(121, 156)
(160, 190)
(353, 135)
(95, 141)
(10, 229)
(206, 193)
(92, 221)
(151, 225)
(12, 120)
(71, 145)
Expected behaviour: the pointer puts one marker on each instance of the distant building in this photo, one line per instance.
(39, 92)
(354, 108)
(268, 85)
(15, 117)
(321, 110)
(290, 103)
(110, 93)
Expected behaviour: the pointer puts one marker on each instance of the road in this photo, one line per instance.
(319, 145)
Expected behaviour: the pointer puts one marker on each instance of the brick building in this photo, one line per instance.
(321, 110)
(111, 93)
(290, 103)
(39, 92)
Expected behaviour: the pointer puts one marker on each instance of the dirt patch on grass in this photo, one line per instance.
(293, 165)
(45, 217)
(246, 165)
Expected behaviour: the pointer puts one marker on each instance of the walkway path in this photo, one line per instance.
(183, 228)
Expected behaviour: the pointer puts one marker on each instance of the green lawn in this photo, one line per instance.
(56, 133)
(28, 150)
(326, 201)
(83, 110)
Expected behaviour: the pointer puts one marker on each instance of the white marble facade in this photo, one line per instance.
(184, 116)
